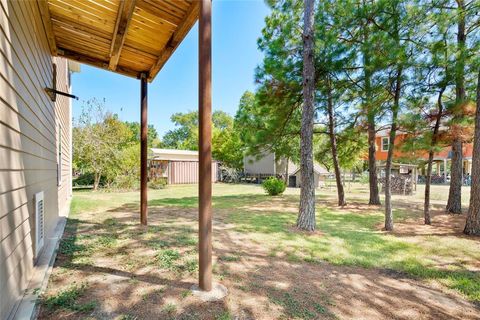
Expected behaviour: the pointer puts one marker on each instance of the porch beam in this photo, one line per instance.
(124, 17)
(143, 149)
(205, 145)
(47, 25)
(175, 39)
(95, 62)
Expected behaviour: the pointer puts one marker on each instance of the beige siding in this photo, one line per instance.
(264, 164)
(186, 172)
(28, 143)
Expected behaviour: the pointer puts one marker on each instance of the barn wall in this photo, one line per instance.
(29, 123)
(316, 179)
(186, 172)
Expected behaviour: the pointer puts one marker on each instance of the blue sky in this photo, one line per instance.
(237, 25)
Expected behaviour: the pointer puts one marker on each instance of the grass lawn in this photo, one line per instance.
(110, 267)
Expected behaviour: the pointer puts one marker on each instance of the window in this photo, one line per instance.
(385, 143)
(59, 159)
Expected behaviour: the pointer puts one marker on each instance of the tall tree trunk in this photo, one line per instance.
(454, 204)
(96, 181)
(391, 146)
(370, 109)
(433, 143)
(472, 227)
(306, 216)
(333, 144)
(372, 165)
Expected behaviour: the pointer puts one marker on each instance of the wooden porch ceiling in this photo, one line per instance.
(129, 37)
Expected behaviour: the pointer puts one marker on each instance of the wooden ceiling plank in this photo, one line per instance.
(158, 40)
(125, 12)
(95, 7)
(73, 10)
(111, 5)
(47, 25)
(90, 50)
(57, 12)
(78, 29)
(182, 5)
(140, 27)
(182, 30)
(78, 48)
(172, 9)
(145, 47)
(139, 52)
(159, 12)
(147, 21)
(102, 48)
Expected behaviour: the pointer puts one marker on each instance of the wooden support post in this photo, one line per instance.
(205, 145)
(143, 149)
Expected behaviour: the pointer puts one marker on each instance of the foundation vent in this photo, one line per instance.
(39, 222)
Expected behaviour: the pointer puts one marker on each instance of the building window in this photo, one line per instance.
(385, 143)
(59, 159)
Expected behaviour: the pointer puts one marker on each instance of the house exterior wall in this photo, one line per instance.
(381, 155)
(29, 149)
(262, 165)
(186, 172)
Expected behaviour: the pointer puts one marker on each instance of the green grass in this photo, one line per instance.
(349, 238)
(68, 299)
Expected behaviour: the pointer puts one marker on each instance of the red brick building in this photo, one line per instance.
(441, 159)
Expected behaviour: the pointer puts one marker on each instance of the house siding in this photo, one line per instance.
(381, 155)
(264, 164)
(28, 144)
(186, 172)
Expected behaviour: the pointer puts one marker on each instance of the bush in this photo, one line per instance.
(125, 182)
(274, 186)
(86, 179)
(158, 183)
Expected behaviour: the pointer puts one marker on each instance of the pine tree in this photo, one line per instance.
(472, 226)
(306, 216)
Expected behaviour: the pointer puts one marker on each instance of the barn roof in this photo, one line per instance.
(130, 37)
(317, 168)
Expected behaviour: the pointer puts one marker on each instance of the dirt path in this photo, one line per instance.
(340, 292)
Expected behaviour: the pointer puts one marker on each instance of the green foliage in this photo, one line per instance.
(158, 183)
(126, 173)
(185, 135)
(87, 179)
(351, 148)
(167, 258)
(152, 135)
(226, 143)
(99, 141)
(273, 186)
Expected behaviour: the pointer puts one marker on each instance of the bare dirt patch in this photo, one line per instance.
(130, 272)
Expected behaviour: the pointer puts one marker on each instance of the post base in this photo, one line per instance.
(218, 292)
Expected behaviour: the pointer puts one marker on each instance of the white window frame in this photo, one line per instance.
(381, 143)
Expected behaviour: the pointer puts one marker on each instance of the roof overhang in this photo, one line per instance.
(130, 37)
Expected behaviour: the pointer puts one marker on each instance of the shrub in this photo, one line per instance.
(158, 183)
(125, 182)
(273, 186)
(86, 179)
